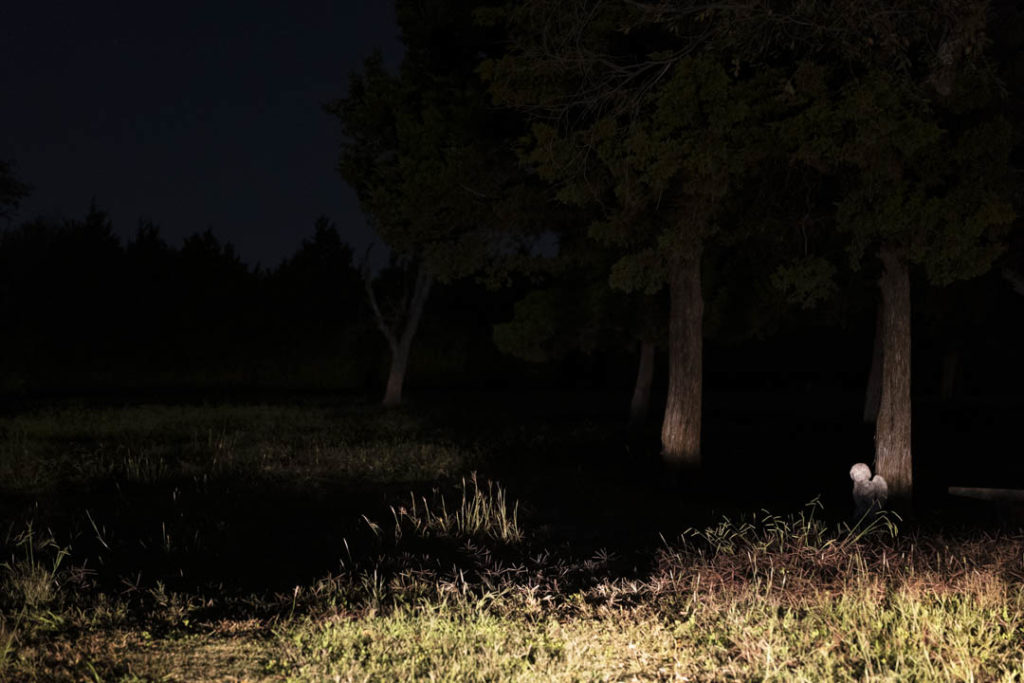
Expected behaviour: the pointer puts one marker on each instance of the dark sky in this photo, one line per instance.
(193, 114)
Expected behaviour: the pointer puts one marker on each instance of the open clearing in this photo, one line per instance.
(331, 541)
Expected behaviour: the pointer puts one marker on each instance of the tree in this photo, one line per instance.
(902, 110)
(407, 159)
(656, 126)
(12, 190)
(430, 162)
(320, 285)
(400, 329)
(216, 311)
(62, 295)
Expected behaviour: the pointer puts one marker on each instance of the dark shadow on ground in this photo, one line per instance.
(584, 483)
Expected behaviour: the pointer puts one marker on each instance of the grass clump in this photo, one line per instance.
(799, 551)
(481, 513)
(32, 574)
(31, 580)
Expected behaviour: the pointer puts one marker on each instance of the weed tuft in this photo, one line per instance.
(31, 577)
(482, 512)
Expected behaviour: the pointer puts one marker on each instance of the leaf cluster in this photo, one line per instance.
(430, 168)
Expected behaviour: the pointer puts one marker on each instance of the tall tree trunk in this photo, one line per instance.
(639, 406)
(892, 432)
(873, 394)
(680, 431)
(401, 333)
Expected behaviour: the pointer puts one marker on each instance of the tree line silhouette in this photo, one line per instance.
(83, 310)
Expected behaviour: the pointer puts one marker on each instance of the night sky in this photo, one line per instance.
(191, 114)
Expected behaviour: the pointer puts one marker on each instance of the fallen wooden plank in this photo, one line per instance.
(994, 495)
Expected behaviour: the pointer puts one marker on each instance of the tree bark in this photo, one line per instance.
(639, 406)
(680, 430)
(892, 432)
(873, 394)
(400, 342)
(396, 376)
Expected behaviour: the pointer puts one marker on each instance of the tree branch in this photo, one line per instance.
(378, 317)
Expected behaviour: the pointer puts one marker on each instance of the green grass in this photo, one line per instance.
(327, 542)
(150, 443)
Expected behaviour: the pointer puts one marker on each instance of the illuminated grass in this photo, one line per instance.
(744, 635)
(920, 616)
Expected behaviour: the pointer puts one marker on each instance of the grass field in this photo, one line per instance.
(318, 540)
